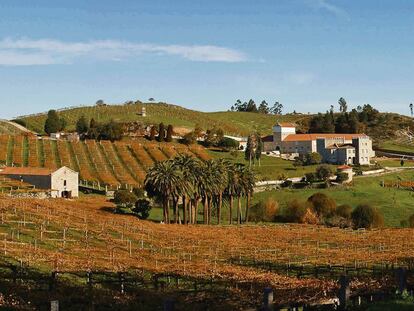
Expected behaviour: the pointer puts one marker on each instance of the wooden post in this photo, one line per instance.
(344, 292)
(268, 299)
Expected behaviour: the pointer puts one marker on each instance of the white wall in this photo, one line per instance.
(72, 181)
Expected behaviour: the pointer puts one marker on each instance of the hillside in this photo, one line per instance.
(103, 162)
(11, 128)
(233, 123)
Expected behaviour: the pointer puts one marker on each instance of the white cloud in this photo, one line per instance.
(329, 7)
(14, 52)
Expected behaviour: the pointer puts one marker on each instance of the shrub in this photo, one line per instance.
(411, 221)
(357, 170)
(341, 177)
(190, 138)
(142, 208)
(300, 212)
(124, 198)
(228, 143)
(264, 211)
(313, 158)
(311, 177)
(323, 205)
(323, 172)
(344, 211)
(366, 216)
(139, 192)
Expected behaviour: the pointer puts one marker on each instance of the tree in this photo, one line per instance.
(165, 182)
(100, 102)
(110, 131)
(366, 216)
(250, 152)
(82, 126)
(189, 138)
(53, 123)
(142, 208)
(170, 131)
(161, 132)
(323, 205)
(263, 107)
(259, 148)
(343, 106)
(151, 99)
(277, 108)
(228, 143)
(344, 211)
(124, 198)
(411, 109)
(153, 132)
(323, 172)
(313, 158)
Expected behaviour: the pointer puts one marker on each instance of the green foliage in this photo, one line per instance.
(228, 143)
(82, 126)
(213, 137)
(142, 208)
(139, 192)
(308, 159)
(324, 172)
(311, 177)
(366, 216)
(53, 123)
(124, 198)
(341, 177)
(110, 131)
(20, 121)
(153, 133)
(323, 205)
(190, 138)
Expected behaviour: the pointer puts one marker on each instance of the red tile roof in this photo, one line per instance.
(35, 171)
(344, 167)
(309, 137)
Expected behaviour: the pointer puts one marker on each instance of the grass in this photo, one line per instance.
(270, 168)
(7, 129)
(394, 204)
(236, 123)
(395, 146)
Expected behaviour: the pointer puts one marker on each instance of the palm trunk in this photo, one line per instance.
(167, 213)
(246, 218)
(239, 210)
(176, 211)
(231, 210)
(220, 203)
(195, 209)
(164, 207)
(205, 210)
(184, 210)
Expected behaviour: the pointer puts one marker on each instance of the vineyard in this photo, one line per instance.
(301, 263)
(104, 163)
(236, 123)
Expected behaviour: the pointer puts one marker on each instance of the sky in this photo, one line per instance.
(205, 55)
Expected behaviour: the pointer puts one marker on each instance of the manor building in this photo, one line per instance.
(334, 148)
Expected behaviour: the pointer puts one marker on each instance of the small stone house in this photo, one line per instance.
(62, 183)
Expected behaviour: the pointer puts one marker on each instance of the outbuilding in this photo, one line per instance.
(62, 183)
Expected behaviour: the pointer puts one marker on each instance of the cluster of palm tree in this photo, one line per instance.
(193, 184)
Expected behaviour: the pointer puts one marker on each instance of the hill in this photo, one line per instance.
(102, 162)
(233, 123)
(11, 128)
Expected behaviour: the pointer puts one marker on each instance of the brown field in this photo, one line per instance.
(85, 235)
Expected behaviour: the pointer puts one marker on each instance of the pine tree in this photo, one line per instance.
(161, 132)
(170, 131)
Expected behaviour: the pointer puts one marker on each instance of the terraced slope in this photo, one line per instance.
(236, 123)
(104, 162)
(10, 128)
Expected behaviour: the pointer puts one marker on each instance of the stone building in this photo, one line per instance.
(62, 183)
(334, 148)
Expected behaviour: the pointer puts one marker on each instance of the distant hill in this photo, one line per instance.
(11, 128)
(233, 123)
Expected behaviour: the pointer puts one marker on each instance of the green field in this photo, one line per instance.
(270, 168)
(236, 123)
(395, 204)
(394, 145)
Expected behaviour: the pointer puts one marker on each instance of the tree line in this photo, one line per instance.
(355, 121)
(263, 107)
(185, 182)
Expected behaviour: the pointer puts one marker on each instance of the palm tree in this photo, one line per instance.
(231, 188)
(248, 188)
(165, 181)
(186, 164)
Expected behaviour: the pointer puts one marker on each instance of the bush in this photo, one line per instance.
(139, 192)
(313, 158)
(357, 170)
(311, 177)
(323, 172)
(411, 221)
(124, 198)
(341, 177)
(323, 205)
(264, 211)
(366, 216)
(228, 143)
(142, 208)
(300, 212)
(344, 211)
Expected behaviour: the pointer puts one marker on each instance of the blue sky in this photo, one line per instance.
(206, 54)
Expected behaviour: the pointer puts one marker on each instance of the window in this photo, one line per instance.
(64, 183)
